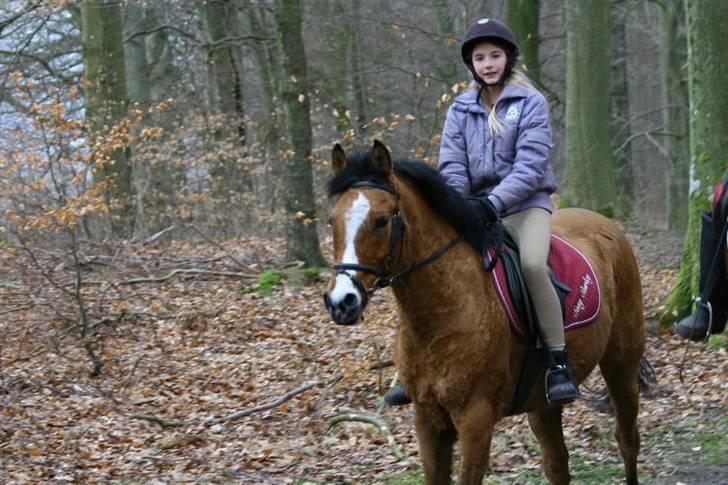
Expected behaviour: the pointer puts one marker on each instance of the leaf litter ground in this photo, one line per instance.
(181, 353)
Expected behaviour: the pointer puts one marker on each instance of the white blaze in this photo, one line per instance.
(354, 218)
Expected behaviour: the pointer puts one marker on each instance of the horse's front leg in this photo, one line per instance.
(436, 437)
(475, 430)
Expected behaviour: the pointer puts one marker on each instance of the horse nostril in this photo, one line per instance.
(350, 300)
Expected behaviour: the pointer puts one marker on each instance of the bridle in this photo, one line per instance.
(384, 276)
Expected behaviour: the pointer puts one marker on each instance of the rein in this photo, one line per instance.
(383, 273)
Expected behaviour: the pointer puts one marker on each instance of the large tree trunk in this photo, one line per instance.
(301, 237)
(523, 17)
(589, 166)
(106, 98)
(708, 71)
(675, 112)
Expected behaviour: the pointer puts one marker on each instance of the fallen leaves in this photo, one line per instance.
(198, 349)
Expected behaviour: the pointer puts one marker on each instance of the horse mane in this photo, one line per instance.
(440, 197)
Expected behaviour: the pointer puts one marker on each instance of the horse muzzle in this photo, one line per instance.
(344, 311)
(346, 300)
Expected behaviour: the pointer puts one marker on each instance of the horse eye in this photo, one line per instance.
(381, 222)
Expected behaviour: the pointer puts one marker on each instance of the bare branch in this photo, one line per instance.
(160, 28)
(164, 423)
(173, 273)
(374, 420)
(264, 407)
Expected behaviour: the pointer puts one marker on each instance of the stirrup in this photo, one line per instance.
(697, 326)
(567, 395)
(707, 305)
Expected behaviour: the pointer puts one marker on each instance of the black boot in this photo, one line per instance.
(713, 286)
(560, 387)
(695, 327)
(397, 396)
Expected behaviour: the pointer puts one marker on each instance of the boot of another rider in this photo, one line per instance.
(560, 386)
(397, 396)
(711, 311)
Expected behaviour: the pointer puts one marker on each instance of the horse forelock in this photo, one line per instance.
(359, 168)
(433, 188)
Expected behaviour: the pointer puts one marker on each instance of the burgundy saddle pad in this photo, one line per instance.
(571, 268)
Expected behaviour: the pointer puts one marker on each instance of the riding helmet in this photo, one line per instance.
(491, 30)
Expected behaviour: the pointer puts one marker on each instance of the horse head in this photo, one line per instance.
(367, 229)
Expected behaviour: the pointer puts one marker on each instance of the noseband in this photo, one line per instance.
(383, 273)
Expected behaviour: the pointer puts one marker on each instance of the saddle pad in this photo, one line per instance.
(572, 268)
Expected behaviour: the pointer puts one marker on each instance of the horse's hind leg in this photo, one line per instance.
(620, 375)
(546, 425)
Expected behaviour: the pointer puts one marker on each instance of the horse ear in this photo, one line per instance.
(381, 158)
(338, 158)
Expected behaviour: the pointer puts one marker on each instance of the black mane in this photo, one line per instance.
(441, 198)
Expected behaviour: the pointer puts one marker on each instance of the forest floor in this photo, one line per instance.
(208, 378)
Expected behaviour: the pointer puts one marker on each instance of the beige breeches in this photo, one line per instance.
(531, 230)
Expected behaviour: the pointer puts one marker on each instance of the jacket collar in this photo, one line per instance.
(468, 100)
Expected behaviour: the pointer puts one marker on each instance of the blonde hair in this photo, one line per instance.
(517, 78)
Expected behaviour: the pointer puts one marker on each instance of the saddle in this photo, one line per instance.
(576, 285)
(573, 278)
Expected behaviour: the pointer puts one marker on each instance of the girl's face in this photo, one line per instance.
(489, 62)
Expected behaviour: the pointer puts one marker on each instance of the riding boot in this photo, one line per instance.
(397, 396)
(711, 309)
(560, 387)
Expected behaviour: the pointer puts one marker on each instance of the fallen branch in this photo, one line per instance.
(379, 423)
(263, 407)
(156, 236)
(164, 423)
(381, 365)
(172, 274)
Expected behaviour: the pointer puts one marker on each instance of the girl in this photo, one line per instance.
(495, 150)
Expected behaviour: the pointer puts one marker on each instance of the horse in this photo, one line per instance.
(399, 224)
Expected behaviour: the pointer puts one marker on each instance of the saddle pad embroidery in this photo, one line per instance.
(571, 267)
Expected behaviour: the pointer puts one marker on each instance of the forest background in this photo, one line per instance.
(149, 148)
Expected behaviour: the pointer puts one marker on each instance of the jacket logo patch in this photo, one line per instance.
(512, 113)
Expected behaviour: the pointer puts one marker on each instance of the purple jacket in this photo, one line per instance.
(513, 169)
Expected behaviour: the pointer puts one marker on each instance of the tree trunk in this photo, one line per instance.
(523, 18)
(301, 236)
(675, 112)
(220, 16)
(707, 71)
(106, 98)
(358, 82)
(230, 178)
(137, 66)
(150, 76)
(620, 120)
(446, 69)
(337, 41)
(270, 132)
(589, 166)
